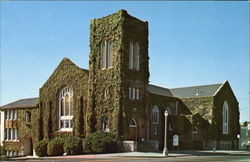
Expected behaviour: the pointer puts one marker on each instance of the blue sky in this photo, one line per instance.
(190, 43)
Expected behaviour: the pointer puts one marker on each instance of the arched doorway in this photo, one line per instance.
(132, 130)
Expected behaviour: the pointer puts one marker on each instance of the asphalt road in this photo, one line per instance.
(227, 158)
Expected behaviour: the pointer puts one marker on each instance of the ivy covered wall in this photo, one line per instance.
(120, 28)
(25, 130)
(66, 74)
(226, 94)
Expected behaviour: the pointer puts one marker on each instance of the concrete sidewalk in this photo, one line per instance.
(142, 154)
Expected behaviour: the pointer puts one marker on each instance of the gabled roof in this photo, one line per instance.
(65, 61)
(27, 102)
(186, 92)
(196, 91)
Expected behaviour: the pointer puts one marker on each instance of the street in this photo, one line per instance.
(228, 158)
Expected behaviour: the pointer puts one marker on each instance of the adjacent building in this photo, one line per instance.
(244, 136)
(114, 95)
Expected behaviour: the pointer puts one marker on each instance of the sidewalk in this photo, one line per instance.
(142, 154)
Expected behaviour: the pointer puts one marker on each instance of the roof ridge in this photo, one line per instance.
(20, 100)
(158, 86)
(197, 86)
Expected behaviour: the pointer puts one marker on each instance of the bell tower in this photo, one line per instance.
(118, 73)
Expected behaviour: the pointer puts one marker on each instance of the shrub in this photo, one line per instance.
(55, 146)
(41, 147)
(100, 142)
(73, 146)
(1, 150)
(3, 157)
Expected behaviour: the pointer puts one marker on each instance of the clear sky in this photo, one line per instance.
(190, 43)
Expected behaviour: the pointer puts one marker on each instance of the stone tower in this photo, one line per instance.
(118, 74)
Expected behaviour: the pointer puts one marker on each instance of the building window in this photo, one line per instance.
(134, 93)
(10, 134)
(225, 118)
(27, 116)
(11, 115)
(106, 54)
(195, 130)
(66, 109)
(134, 56)
(155, 115)
(132, 123)
(107, 92)
(105, 124)
(176, 107)
(155, 131)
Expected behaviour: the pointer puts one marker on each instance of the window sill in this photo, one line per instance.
(65, 130)
(106, 68)
(11, 140)
(11, 119)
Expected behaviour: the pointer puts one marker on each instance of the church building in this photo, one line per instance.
(114, 95)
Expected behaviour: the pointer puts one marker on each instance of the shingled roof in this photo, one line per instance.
(196, 91)
(159, 90)
(186, 92)
(27, 102)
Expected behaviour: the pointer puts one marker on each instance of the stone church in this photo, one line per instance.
(114, 95)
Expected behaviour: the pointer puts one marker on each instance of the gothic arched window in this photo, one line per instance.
(225, 118)
(105, 124)
(155, 115)
(134, 56)
(106, 54)
(66, 109)
(132, 123)
(168, 110)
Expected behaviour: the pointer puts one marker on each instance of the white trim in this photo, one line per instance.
(217, 91)
(66, 118)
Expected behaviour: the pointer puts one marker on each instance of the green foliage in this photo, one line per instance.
(55, 146)
(100, 142)
(70, 75)
(1, 150)
(3, 157)
(41, 148)
(73, 146)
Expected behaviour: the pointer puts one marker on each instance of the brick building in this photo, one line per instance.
(114, 95)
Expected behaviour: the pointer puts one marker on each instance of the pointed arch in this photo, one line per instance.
(168, 109)
(155, 115)
(66, 109)
(225, 118)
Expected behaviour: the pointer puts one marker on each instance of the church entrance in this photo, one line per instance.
(28, 147)
(132, 130)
